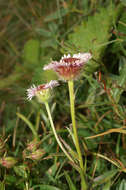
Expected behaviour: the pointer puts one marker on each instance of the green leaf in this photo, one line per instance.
(121, 81)
(122, 185)
(91, 143)
(91, 35)
(29, 124)
(21, 171)
(52, 170)
(107, 186)
(51, 42)
(10, 179)
(70, 182)
(43, 32)
(123, 1)
(105, 177)
(2, 185)
(56, 15)
(122, 26)
(46, 187)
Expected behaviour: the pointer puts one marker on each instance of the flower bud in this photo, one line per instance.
(8, 162)
(43, 96)
(33, 145)
(36, 155)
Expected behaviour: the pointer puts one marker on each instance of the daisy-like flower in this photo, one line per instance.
(42, 92)
(69, 67)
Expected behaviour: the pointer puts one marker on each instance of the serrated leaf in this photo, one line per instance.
(93, 35)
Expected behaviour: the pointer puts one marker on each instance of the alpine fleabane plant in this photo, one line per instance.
(69, 67)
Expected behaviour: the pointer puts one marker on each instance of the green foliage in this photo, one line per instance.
(2, 186)
(123, 1)
(51, 36)
(121, 81)
(46, 187)
(56, 15)
(21, 171)
(122, 185)
(41, 76)
(122, 26)
(93, 35)
(10, 80)
(119, 32)
(105, 177)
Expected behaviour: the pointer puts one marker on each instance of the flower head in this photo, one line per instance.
(8, 162)
(69, 67)
(42, 92)
(36, 155)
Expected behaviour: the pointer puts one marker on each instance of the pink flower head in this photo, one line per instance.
(41, 91)
(69, 67)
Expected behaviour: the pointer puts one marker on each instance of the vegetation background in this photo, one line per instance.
(32, 32)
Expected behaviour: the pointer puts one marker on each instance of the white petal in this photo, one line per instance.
(83, 56)
(51, 84)
(31, 92)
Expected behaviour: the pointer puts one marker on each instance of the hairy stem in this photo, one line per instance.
(72, 108)
(54, 131)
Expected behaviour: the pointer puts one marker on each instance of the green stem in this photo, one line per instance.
(72, 108)
(54, 131)
(26, 185)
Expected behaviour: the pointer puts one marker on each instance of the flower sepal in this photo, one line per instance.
(43, 96)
